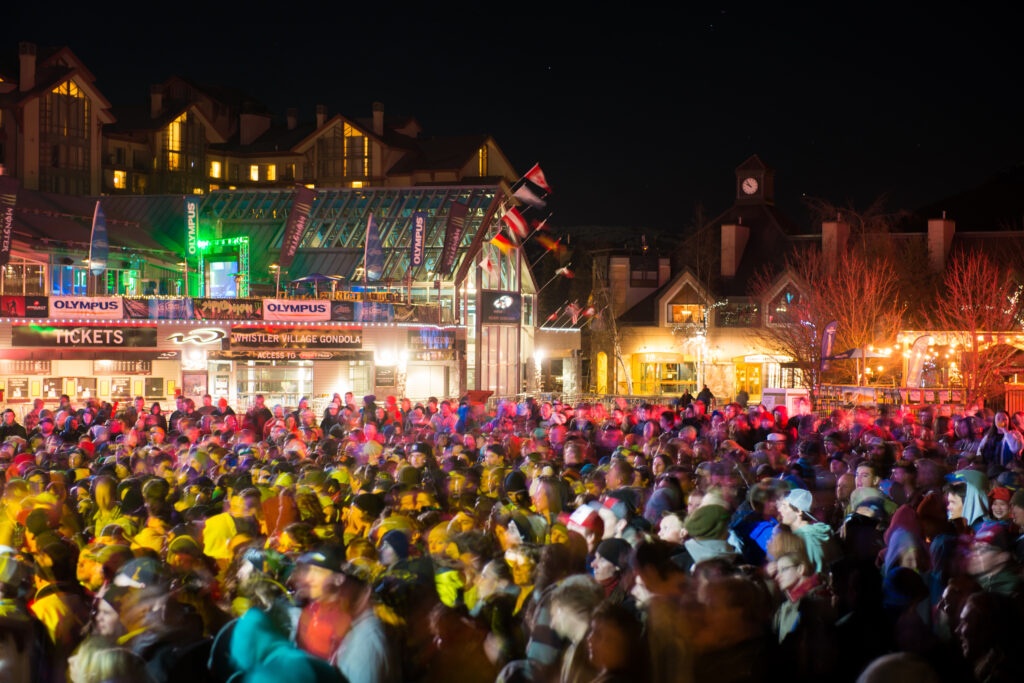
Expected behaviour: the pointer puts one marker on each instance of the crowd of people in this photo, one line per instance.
(537, 542)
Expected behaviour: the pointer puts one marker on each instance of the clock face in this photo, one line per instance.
(749, 185)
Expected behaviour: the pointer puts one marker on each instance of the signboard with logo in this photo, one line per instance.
(384, 376)
(227, 309)
(178, 336)
(86, 307)
(500, 308)
(274, 337)
(158, 309)
(17, 389)
(24, 306)
(297, 310)
(82, 336)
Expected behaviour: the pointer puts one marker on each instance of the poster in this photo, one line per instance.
(120, 387)
(17, 389)
(227, 309)
(53, 387)
(154, 387)
(385, 376)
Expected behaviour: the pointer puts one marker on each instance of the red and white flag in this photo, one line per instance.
(528, 196)
(554, 316)
(565, 272)
(536, 176)
(516, 223)
(589, 311)
(488, 266)
(574, 310)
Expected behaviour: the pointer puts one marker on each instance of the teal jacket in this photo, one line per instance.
(260, 653)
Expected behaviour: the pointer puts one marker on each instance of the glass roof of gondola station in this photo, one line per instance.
(335, 233)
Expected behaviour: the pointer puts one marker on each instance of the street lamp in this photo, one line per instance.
(277, 278)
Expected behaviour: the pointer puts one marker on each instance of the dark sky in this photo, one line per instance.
(636, 115)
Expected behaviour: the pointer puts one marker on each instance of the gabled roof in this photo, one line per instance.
(330, 123)
(753, 163)
(138, 120)
(50, 77)
(277, 138)
(440, 154)
(650, 311)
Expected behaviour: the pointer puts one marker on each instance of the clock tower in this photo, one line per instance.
(755, 182)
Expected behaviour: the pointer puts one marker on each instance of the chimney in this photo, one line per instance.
(940, 239)
(27, 73)
(378, 119)
(734, 241)
(292, 116)
(321, 115)
(834, 235)
(156, 101)
(618, 281)
(664, 270)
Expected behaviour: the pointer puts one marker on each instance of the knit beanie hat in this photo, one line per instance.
(708, 521)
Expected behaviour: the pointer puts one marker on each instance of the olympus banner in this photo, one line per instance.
(278, 338)
(87, 307)
(296, 310)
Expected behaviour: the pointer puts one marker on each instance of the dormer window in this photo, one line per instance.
(781, 309)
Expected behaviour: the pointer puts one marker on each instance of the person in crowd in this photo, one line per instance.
(542, 540)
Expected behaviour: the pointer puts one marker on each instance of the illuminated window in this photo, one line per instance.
(215, 169)
(65, 140)
(357, 183)
(174, 136)
(311, 186)
(482, 159)
(685, 313)
(254, 172)
(272, 172)
(197, 190)
(214, 186)
(120, 180)
(782, 308)
(357, 153)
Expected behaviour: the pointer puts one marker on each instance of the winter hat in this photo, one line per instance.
(398, 541)
(707, 521)
(616, 551)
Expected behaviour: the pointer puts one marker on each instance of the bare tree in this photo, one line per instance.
(858, 292)
(605, 329)
(977, 305)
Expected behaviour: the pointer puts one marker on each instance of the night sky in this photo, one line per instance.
(635, 116)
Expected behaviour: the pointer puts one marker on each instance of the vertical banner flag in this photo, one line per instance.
(373, 256)
(295, 226)
(453, 236)
(99, 246)
(828, 342)
(8, 198)
(191, 238)
(419, 238)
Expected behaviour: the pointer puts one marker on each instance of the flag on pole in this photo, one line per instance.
(574, 310)
(503, 243)
(373, 254)
(516, 223)
(589, 311)
(554, 316)
(488, 266)
(536, 176)
(565, 272)
(547, 242)
(99, 244)
(529, 197)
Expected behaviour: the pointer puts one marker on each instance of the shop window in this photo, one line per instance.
(682, 314)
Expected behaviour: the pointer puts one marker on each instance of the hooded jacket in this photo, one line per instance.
(260, 653)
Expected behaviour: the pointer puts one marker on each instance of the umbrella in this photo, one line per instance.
(316, 279)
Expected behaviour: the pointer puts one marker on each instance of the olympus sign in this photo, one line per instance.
(86, 307)
(282, 309)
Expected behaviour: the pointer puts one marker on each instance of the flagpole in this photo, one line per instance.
(546, 252)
